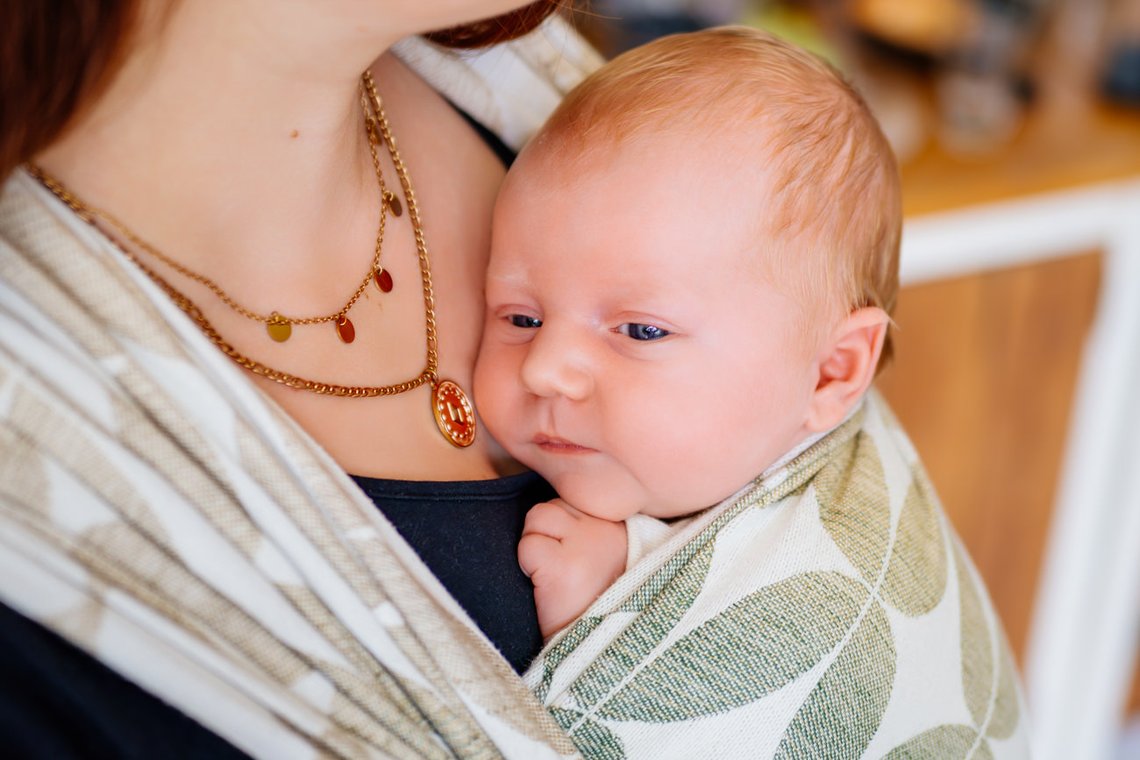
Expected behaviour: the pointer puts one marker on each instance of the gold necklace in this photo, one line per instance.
(453, 412)
(280, 326)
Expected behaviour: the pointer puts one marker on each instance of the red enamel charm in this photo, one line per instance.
(345, 329)
(383, 280)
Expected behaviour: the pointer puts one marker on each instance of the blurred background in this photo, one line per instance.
(1017, 127)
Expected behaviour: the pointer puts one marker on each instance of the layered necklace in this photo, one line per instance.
(453, 412)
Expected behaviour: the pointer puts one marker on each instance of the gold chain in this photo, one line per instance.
(377, 124)
(386, 201)
(413, 214)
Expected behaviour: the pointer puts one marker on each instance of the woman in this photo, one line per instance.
(176, 513)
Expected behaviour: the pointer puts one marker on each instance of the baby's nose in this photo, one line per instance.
(557, 365)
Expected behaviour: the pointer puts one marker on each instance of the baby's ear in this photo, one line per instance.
(847, 366)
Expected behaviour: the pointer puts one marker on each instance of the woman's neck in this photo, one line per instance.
(245, 135)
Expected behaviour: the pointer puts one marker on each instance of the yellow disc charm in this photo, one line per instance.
(278, 327)
(453, 413)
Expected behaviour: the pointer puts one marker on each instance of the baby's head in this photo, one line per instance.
(692, 269)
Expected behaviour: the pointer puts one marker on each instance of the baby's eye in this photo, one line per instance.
(522, 320)
(643, 332)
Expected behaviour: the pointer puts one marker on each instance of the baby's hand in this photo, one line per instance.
(571, 558)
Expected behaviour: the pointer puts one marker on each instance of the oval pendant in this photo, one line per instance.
(453, 413)
(383, 280)
(345, 330)
(278, 327)
(393, 203)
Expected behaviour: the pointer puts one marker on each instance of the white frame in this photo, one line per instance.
(1085, 631)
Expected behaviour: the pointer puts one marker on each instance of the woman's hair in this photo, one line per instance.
(56, 56)
(498, 29)
(830, 226)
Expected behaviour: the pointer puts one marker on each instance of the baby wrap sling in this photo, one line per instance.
(163, 515)
(826, 611)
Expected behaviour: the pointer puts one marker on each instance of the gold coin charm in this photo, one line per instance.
(278, 327)
(453, 413)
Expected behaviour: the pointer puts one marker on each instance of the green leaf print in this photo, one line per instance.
(756, 646)
(991, 697)
(977, 651)
(579, 631)
(853, 496)
(671, 598)
(1003, 719)
(946, 742)
(677, 582)
(916, 576)
(852, 493)
(592, 739)
(844, 710)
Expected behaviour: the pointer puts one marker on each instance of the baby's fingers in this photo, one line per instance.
(536, 550)
(550, 518)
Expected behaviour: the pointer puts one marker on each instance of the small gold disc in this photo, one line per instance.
(393, 203)
(278, 328)
(453, 413)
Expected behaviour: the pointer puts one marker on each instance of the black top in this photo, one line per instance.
(497, 146)
(467, 533)
(58, 702)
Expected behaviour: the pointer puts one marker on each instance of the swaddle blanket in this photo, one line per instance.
(826, 611)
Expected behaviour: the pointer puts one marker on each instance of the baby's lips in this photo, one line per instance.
(555, 444)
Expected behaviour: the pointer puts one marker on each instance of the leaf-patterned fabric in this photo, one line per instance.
(826, 611)
(163, 515)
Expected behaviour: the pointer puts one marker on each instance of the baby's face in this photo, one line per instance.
(633, 354)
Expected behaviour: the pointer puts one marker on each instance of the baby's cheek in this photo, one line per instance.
(486, 388)
(495, 389)
(686, 468)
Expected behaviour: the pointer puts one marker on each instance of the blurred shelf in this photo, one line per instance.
(1071, 143)
(1069, 138)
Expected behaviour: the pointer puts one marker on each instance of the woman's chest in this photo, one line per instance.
(435, 251)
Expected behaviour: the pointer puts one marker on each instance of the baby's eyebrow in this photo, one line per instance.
(515, 276)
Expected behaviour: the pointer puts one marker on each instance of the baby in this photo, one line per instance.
(692, 270)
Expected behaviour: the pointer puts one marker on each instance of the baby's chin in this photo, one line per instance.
(587, 495)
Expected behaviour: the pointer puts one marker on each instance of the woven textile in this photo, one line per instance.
(163, 515)
(826, 611)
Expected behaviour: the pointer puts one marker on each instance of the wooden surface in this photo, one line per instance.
(983, 379)
(1059, 150)
(1062, 144)
(1134, 699)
